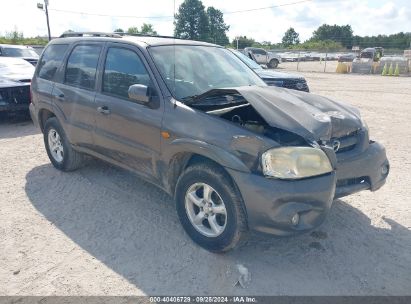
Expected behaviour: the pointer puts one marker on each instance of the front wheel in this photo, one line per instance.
(210, 207)
(273, 63)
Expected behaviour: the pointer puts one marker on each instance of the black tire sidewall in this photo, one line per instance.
(221, 185)
(52, 123)
(273, 63)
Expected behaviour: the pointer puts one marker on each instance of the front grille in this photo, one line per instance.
(344, 144)
(352, 181)
(348, 143)
(16, 95)
(294, 84)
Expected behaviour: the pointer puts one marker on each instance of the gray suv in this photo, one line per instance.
(193, 119)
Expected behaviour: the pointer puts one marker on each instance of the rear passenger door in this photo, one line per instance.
(127, 132)
(47, 67)
(74, 95)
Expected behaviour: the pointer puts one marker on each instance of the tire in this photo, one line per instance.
(61, 154)
(273, 63)
(224, 194)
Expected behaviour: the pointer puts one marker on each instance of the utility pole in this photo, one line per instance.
(40, 6)
(237, 38)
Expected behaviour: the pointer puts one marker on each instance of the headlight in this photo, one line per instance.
(295, 162)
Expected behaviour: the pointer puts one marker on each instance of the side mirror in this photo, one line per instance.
(139, 92)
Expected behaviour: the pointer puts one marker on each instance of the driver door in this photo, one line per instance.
(261, 56)
(127, 132)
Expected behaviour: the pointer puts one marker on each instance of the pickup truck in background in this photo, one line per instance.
(261, 56)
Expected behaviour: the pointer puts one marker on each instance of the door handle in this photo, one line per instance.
(60, 97)
(103, 110)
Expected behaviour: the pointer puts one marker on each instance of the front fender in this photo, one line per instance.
(215, 153)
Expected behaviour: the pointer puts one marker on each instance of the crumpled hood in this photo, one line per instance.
(311, 116)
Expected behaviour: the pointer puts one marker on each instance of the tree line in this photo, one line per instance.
(194, 21)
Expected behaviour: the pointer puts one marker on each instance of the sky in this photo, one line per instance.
(367, 17)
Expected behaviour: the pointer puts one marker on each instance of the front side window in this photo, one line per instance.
(260, 52)
(51, 60)
(192, 70)
(82, 65)
(123, 68)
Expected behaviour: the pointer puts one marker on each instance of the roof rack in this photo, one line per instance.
(90, 34)
(146, 35)
(112, 35)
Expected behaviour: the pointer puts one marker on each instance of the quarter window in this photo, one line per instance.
(82, 65)
(51, 60)
(123, 68)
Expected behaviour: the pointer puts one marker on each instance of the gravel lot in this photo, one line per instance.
(103, 231)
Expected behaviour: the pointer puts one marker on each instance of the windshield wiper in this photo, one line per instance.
(189, 99)
(213, 93)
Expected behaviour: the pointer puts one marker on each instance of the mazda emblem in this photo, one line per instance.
(336, 145)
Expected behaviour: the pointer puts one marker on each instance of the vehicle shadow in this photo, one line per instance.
(132, 227)
(12, 126)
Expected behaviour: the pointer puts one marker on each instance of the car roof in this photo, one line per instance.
(143, 41)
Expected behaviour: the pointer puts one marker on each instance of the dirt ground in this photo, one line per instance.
(103, 231)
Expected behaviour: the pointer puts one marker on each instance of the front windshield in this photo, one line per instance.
(17, 52)
(193, 70)
(248, 61)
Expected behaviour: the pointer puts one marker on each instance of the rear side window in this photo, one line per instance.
(82, 65)
(123, 68)
(51, 60)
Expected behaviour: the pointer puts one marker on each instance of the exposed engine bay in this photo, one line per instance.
(234, 108)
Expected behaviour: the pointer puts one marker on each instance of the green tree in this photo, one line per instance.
(133, 30)
(337, 33)
(323, 45)
(191, 21)
(291, 37)
(15, 36)
(119, 30)
(394, 41)
(217, 26)
(243, 42)
(148, 29)
(145, 29)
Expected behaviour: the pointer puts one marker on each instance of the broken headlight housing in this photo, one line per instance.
(295, 162)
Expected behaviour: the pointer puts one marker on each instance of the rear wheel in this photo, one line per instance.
(59, 150)
(273, 63)
(210, 207)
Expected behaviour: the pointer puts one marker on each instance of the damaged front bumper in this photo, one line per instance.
(285, 207)
(365, 171)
